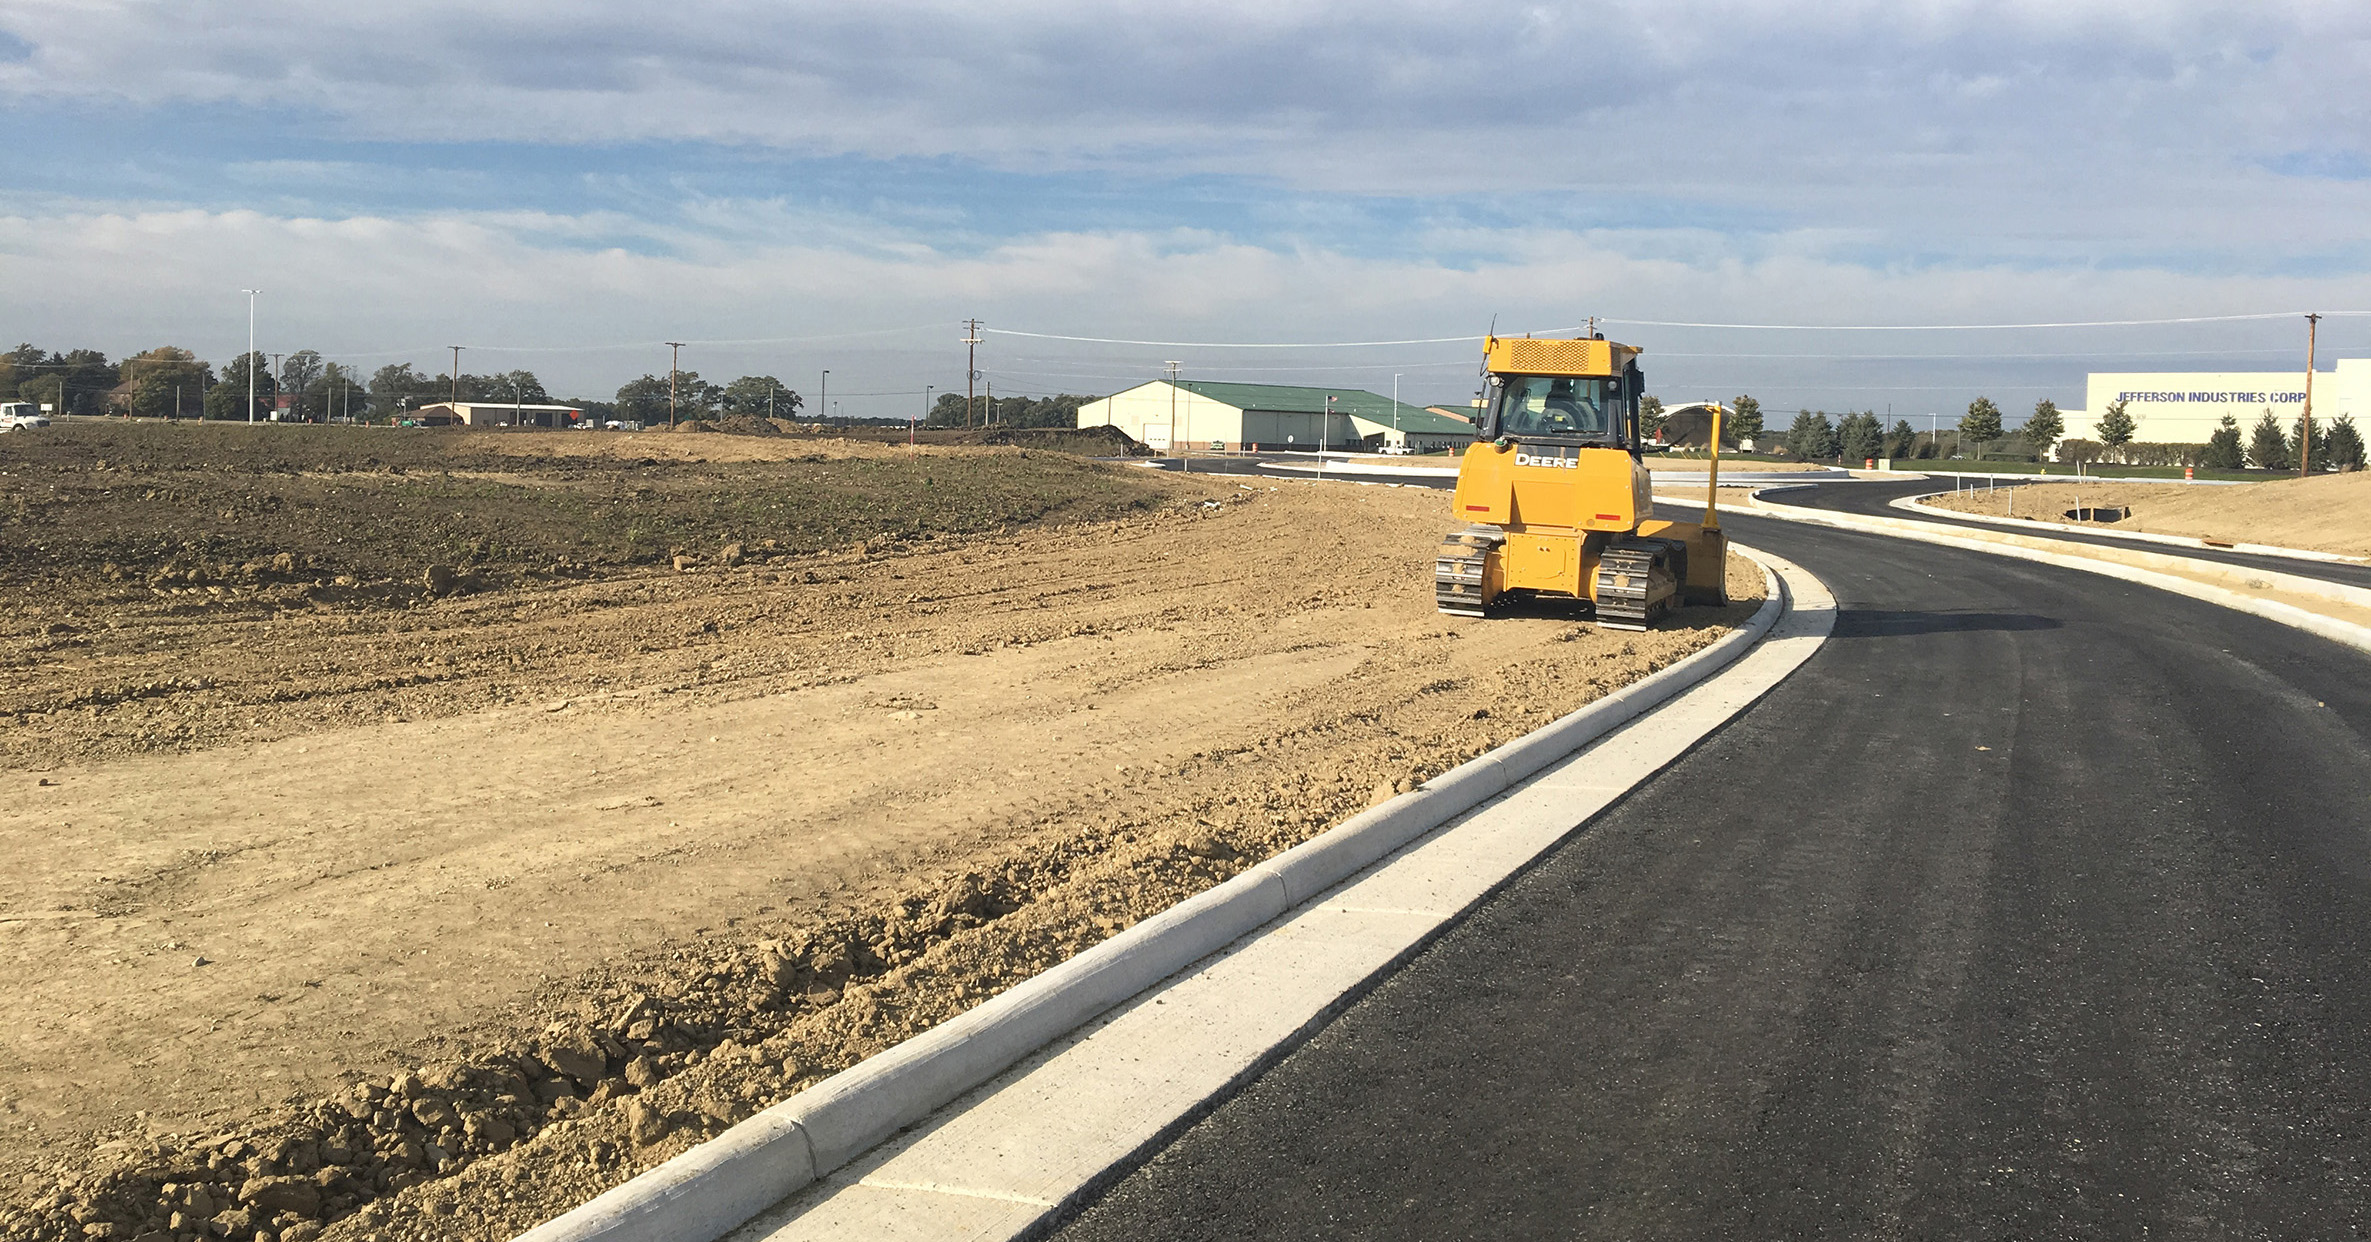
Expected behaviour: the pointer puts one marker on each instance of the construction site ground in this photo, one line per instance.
(2323, 513)
(410, 834)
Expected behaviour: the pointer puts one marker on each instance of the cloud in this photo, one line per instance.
(525, 289)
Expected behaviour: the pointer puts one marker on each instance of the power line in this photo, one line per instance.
(1103, 340)
(1966, 327)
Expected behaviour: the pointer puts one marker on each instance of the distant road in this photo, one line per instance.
(1874, 497)
(2037, 905)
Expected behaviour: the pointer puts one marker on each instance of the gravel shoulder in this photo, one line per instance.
(453, 909)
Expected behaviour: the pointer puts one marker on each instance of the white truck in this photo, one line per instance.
(18, 415)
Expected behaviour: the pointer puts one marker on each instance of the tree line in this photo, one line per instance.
(171, 382)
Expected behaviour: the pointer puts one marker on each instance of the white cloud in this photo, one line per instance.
(358, 288)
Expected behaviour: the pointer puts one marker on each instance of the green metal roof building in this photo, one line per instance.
(1210, 414)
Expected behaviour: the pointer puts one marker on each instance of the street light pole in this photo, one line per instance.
(2313, 325)
(823, 399)
(1176, 439)
(250, 358)
(455, 399)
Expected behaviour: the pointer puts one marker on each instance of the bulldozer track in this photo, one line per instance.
(1458, 567)
(1628, 575)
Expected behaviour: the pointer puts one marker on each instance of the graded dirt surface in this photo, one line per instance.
(429, 914)
(2325, 513)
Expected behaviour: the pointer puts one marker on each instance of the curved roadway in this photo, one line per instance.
(1876, 497)
(2036, 905)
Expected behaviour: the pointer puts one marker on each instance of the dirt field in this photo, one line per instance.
(332, 898)
(2326, 513)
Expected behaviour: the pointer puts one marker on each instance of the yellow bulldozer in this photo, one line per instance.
(1557, 497)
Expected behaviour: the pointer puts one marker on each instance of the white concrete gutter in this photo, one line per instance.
(2178, 574)
(716, 1187)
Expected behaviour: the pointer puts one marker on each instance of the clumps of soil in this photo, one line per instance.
(655, 1056)
(357, 516)
(733, 425)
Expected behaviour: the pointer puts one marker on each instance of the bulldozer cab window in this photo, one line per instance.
(1539, 405)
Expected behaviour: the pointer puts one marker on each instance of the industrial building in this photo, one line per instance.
(2185, 407)
(1220, 416)
(495, 414)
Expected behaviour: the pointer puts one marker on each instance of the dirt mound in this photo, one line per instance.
(1095, 441)
(2324, 513)
(1101, 441)
(746, 425)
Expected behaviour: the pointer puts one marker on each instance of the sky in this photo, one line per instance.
(1251, 190)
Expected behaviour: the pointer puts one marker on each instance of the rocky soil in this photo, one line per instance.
(542, 879)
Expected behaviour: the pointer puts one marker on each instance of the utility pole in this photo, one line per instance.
(823, 400)
(674, 364)
(1176, 441)
(250, 358)
(2313, 325)
(455, 399)
(971, 365)
(1325, 425)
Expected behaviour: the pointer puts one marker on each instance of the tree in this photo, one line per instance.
(761, 396)
(228, 399)
(643, 400)
(166, 382)
(2223, 451)
(520, 387)
(1860, 437)
(2116, 428)
(1650, 417)
(1902, 441)
(2345, 450)
(2268, 449)
(1982, 423)
(2319, 458)
(1812, 438)
(2044, 427)
(300, 371)
(1745, 420)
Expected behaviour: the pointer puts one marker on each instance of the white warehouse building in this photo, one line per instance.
(1275, 417)
(2185, 407)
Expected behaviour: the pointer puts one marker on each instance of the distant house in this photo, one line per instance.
(495, 414)
(1272, 417)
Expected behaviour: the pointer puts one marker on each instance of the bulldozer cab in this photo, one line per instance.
(1559, 406)
(1580, 410)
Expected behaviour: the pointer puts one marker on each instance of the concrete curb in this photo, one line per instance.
(1915, 504)
(714, 1188)
(2127, 564)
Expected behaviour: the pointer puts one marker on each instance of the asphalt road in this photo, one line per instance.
(1874, 497)
(2036, 905)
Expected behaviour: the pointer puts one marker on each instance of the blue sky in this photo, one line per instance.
(802, 186)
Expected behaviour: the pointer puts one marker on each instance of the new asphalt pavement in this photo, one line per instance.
(2036, 905)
